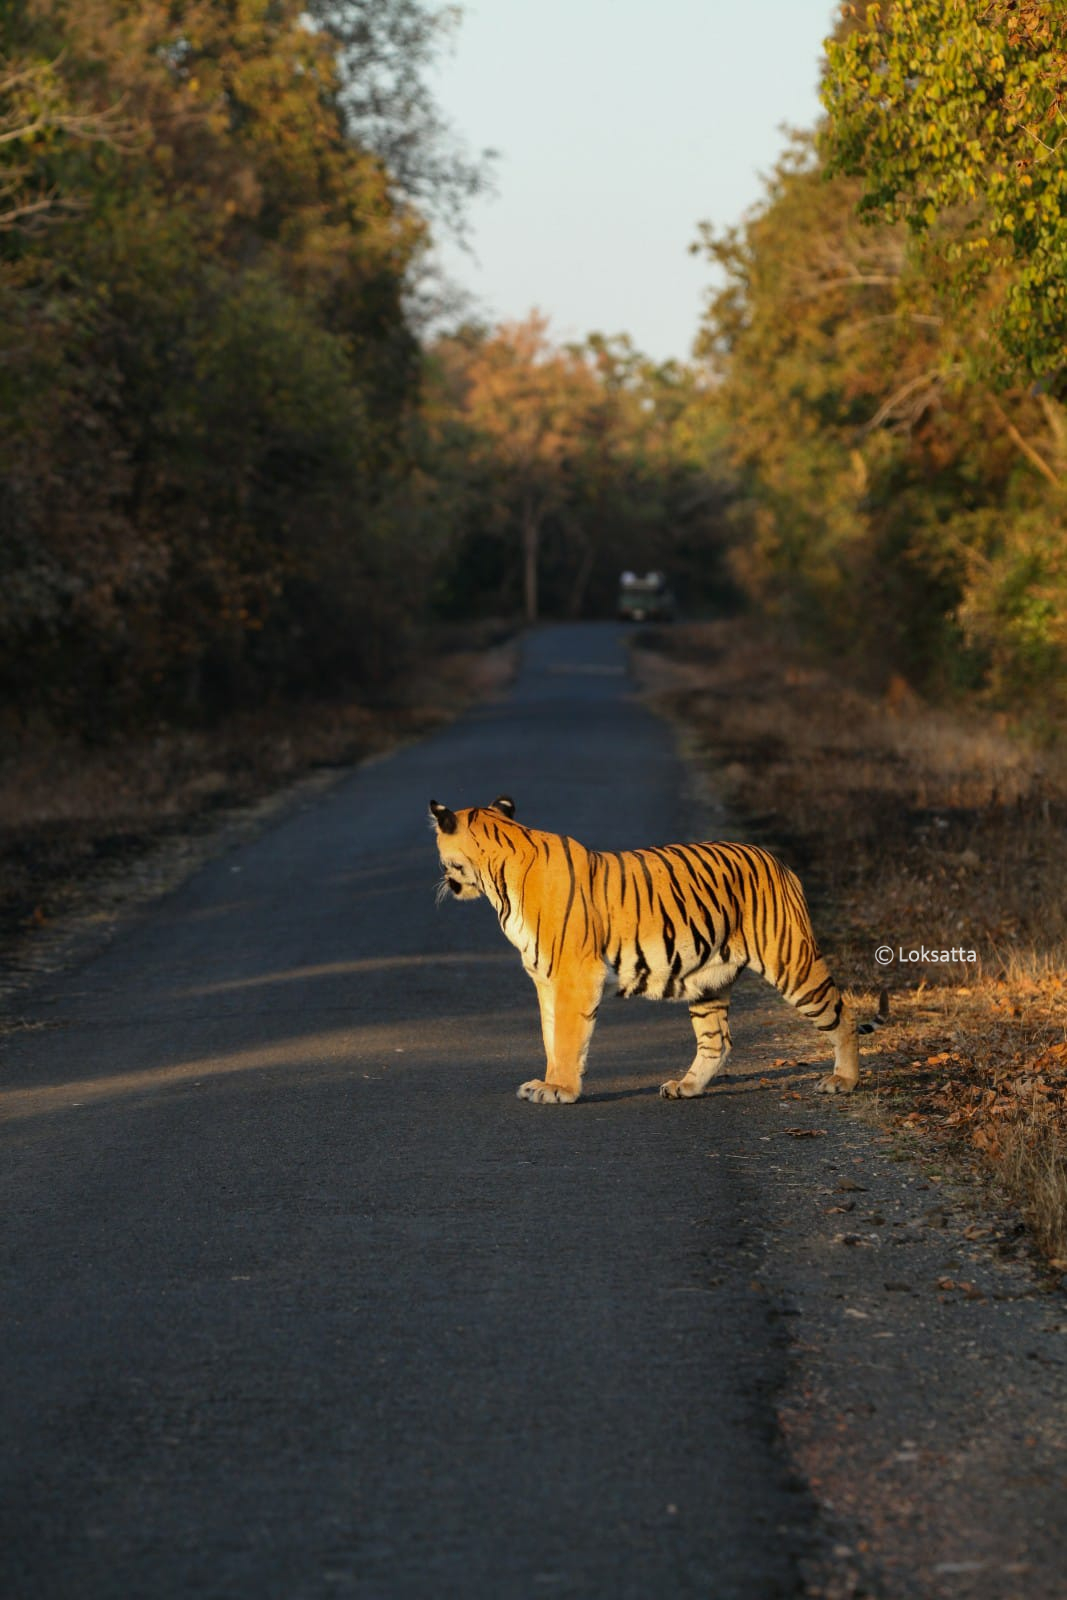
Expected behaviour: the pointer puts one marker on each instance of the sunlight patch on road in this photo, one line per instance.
(336, 969)
(353, 1052)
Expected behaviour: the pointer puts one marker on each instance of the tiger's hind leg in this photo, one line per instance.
(817, 997)
(846, 1073)
(711, 1024)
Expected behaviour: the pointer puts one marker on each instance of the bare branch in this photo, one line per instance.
(1056, 420)
(24, 203)
(103, 127)
(929, 381)
(34, 70)
(923, 320)
(865, 279)
(47, 203)
(1053, 149)
(1037, 461)
(26, 130)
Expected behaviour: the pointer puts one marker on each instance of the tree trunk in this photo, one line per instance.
(530, 541)
(585, 572)
(1056, 418)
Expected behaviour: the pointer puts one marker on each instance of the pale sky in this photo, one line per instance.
(620, 125)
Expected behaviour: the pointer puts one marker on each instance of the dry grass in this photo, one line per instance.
(1035, 1173)
(69, 811)
(910, 827)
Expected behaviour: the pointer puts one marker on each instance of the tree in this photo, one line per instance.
(528, 402)
(207, 370)
(884, 508)
(35, 113)
(385, 49)
(955, 117)
(565, 464)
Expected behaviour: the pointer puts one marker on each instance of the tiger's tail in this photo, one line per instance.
(881, 1017)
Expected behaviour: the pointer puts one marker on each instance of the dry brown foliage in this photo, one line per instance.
(70, 811)
(910, 827)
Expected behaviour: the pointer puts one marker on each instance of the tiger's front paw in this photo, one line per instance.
(546, 1094)
(678, 1089)
(835, 1085)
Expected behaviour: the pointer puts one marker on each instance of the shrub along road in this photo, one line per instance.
(299, 1300)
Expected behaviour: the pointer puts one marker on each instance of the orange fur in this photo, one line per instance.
(678, 922)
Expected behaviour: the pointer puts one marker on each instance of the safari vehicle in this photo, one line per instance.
(645, 599)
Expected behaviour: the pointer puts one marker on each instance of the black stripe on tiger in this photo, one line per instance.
(881, 1017)
(670, 921)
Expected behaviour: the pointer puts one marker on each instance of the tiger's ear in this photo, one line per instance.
(445, 819)
(504, 803)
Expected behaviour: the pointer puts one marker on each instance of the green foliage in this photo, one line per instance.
(890, 506)
(955, 116)
(206, 371)
(226, 468)
(385, 53)
(1014, 610)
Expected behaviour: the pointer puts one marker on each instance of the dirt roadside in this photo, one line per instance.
(905, 1255)
(936, 841)
(87, 834)
(924, 1407)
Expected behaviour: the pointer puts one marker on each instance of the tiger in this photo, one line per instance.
(674, 922)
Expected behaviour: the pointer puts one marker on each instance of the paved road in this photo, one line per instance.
(299, 1300)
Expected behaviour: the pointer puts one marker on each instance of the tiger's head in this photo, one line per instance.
(462, 843)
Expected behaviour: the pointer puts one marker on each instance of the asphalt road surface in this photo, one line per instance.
(299, 1300)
